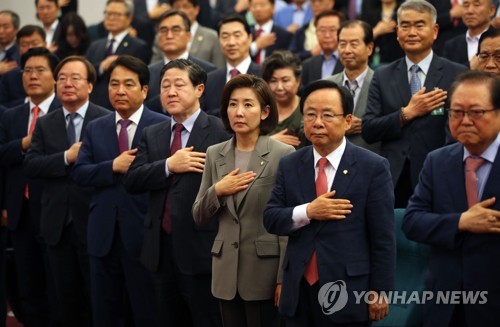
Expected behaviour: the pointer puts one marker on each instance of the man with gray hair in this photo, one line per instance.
(9, 51)
(406, 100)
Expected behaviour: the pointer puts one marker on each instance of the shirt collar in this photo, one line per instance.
(304, 7)
(53, 27)
(489, 154)
(188, 123)
(266, 27)
(424, 64)
(335, 55)
(470, 38)
(44, 105)
(81, 111)
(242, 67)
(358, 79)
(333, 157)
(135, 117)
(118, 37)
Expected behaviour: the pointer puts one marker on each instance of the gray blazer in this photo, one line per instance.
(245, 257)
(205, 46)
(359, 109)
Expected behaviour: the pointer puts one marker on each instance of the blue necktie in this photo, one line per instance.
(415, 84)
(70, 129)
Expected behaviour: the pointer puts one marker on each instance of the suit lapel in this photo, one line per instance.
(346, 172)
(401, 81)
(453, 167)
(143, 122)
(58, 129)
(316, 68)
(359, 110)
(224, 165)
(306, 173)
(110, 135)
(434, 74)
(491, 187)
(122, 47)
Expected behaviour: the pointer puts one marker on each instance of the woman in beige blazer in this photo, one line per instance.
(236, 185)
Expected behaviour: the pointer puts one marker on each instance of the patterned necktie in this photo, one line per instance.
(415, 84)
(176, 145)
(109, 50)
(36, 112)
(123, 135)
(70, 129)
(257, 56)
(234, 72)
(471, 167)
(311, 273)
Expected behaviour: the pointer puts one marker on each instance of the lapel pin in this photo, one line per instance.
(125, 44)
(200, 38)
(345, 172)
(262, 163)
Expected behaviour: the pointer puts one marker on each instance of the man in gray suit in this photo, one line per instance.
(205, 43)
(355, 47)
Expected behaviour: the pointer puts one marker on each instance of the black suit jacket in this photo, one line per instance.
(311, 69)
(389, 91)
(215, 85)
(155, 70)
(447, 29)
(297, 43)
(13, 127)
(11, 89)
(455, 49)
(97, 53)
(283, 39)
(45, 161)
(191, 244)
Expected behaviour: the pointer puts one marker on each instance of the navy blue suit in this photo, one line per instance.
(115, 230)
(11, 89)
(97, 53)
(24, 220)
(359, 250)
(458, 260)
(215, 85)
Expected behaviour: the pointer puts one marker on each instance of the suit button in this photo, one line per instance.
(235, 244)
(236, 221)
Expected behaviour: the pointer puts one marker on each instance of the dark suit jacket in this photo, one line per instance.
(215, 85)
(311, 69)
(155, 70)
(11, 89)
(110, 203)
(456, 50)
(283, 39)
(297, 43)
(447, 29)
(13, 127)
(12, 54)
(458, 260)
(45, 161)
(97, 53)
(190, 244)
(360, 250)
(389, 91)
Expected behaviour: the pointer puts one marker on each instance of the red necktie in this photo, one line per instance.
(311, 272)
(176, 145)
(257, 56)
(234, 72)
(471, 167)
(36, 112)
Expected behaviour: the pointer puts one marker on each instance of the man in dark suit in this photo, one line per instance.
(304, 42)
(352, 200)
(22, 198)
(267, 36)
(476, 16)
(178, 254)
(235, 38)
(406, 99)
(102, 52)
(173, 37)
(47, 11)
(64, 206)
(9, 51)
(449, 19)
(488, 52)
(116, 218)
(455, 208)
(327, 63)
(11, 84)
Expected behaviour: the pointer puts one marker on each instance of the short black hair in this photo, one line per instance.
(328, 13)
(54, 1)
(490, 33)
(278, 60)
(479, 77)
(262, 92)
(29, 30)
(41, 52)
(195, 3)
(345, 95)
(367, 29)
(175, 12)
(133, 64)
(16, 21)
(197, 75)
(234, 18)
(91, 73)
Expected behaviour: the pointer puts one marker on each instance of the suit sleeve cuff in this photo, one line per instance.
(167, 173)
(299, 217)
(253, 49)
(66, 158)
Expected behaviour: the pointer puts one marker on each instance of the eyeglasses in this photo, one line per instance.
(485, 57)
(113, 14)
(325, 116)
(37, 70)
(176, 30)
(472, 114)
(74, 79)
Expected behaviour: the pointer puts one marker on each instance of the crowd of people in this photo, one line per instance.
(219, 163)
